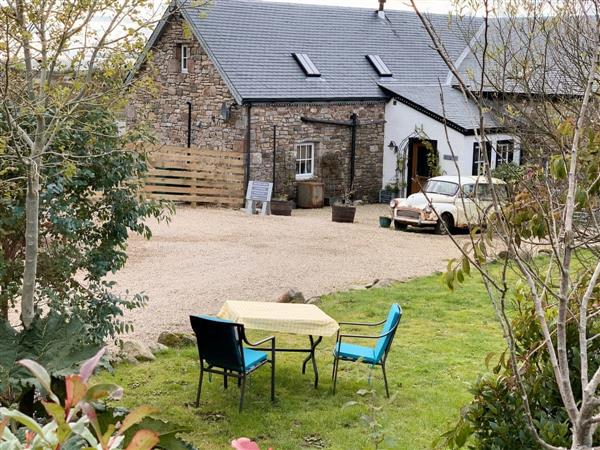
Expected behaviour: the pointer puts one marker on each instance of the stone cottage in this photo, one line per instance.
(304, 91)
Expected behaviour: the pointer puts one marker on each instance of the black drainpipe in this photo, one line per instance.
(189, 131)
(249, 119)
(274, 151)
(353, 118)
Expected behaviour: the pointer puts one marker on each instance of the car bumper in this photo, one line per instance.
(414, 217)
(415, 222)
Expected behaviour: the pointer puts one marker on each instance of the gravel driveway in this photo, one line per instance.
(206, 256)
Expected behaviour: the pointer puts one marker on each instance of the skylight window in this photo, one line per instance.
(379, 66)
(307, 65)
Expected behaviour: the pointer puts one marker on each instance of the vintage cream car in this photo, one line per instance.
(447, 200)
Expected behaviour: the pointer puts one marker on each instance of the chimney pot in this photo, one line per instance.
(381, 4)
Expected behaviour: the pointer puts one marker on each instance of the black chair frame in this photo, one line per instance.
(240, 375)
(337, 358)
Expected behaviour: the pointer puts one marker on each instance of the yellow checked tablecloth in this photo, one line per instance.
(281, 317)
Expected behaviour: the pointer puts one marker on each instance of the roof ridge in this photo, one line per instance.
(300, 4)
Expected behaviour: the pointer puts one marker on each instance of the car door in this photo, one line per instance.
(465, 205)
(483, 200)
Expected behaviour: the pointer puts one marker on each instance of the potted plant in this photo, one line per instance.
(280, 204)
(343, 211)
(385, 221)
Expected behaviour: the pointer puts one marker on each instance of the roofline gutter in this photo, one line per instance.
(314, 100)
(453, 125)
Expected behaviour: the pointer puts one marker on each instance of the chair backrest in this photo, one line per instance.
(259, 190)
(219, 342)
(391, 323)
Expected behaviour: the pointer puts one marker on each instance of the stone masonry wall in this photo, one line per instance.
(164, 107)
(332, 145)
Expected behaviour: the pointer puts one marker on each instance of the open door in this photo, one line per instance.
(418, 163)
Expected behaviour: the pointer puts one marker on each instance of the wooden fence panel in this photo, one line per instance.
(197, 176)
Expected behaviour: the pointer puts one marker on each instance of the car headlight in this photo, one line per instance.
(393, 203)
(427, 210)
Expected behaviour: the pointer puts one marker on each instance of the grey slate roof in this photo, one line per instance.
(511, 43)
(251, 43)
(460, 112)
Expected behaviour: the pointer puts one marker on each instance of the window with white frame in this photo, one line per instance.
(185, 56)
(479, 158)
(305, 161)
(505, 152)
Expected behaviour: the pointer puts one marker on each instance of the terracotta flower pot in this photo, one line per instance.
(343, 213)
(281, 207)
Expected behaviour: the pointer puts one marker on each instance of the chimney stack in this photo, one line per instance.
(381, 12)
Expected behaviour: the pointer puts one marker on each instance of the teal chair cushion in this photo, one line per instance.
(213, 318)
(392, 319)
(253, 358)
(355, 352)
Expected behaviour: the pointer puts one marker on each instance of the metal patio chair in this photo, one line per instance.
(221, 351)
(374, 356)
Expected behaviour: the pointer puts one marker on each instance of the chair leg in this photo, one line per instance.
(387, 391)
(336, 362)
(199, 387)
(333, 369)
(243, 389)
(273, 379)
(225, 380)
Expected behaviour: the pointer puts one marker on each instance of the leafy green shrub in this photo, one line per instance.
(90, 201)
(496, 419)
(509, 172)
(80, 422)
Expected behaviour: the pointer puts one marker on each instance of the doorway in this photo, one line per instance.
(419, 170)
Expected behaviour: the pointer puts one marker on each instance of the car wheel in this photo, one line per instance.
(446, 220)
(400, 226)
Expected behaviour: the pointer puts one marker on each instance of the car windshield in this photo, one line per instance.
(441, 187)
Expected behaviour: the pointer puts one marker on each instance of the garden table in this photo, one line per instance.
(290, 318)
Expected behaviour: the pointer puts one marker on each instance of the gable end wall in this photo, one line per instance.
(165, 109)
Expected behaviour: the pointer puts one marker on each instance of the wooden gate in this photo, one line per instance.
(208, 177)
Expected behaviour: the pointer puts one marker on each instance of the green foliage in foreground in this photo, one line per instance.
(79, 421)
(438, 351)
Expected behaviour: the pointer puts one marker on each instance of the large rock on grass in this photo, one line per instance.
(171, 339)
(136, 350)
(291, 296)
(157, 347)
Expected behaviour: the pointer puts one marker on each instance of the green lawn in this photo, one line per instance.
(438, 351)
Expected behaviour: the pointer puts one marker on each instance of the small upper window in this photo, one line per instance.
(379, 66)
(305, 161)
(185, 56)
(307, 65)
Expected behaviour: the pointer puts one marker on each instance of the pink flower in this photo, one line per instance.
(245, 444)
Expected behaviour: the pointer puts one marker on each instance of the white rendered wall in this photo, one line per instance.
(402, 122)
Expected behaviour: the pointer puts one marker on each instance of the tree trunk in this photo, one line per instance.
(3, 307)
(32, 209)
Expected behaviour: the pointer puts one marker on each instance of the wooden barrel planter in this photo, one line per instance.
(343, 214)
(281, 207)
